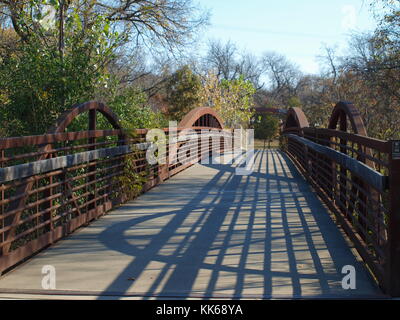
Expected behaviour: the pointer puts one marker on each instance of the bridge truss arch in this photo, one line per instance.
(345, 113)
(202, 117)
(92, 107)
(296, 120)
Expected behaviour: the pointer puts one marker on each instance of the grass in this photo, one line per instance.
(259, 144)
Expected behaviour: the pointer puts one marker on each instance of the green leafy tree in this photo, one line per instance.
(41, 82)
(239, 102)
(294, 102)
(131, 106)
(183, 92)
(232, 99)
(266, 127)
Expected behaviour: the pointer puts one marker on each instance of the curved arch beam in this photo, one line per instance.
(60, 126)
(66, 118)
(296, 119)
(196, 114)
(346, 110)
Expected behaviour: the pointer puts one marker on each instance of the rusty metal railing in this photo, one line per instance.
(57, 182)
(358, 178)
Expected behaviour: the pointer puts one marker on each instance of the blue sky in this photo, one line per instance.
(297, 29)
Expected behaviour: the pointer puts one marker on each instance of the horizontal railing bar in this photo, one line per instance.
(358, 152)
(14, 142)
(26, 170)
(17, 183)
(55, 151)
(373, 143)
(339, 194)
(337, 172)
(372, 177)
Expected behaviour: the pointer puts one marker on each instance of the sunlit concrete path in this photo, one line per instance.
(206, 233)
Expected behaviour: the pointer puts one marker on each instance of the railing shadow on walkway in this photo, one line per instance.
(281, 238)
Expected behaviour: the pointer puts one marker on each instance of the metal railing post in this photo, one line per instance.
(92, 168)
(393, 263)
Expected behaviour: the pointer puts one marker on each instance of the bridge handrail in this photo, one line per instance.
(372, 177)
(373, 152)
(369, 142)
(358, 178)
(52, 184)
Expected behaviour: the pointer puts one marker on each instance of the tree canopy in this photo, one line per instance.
(266, 127)
(56, 53)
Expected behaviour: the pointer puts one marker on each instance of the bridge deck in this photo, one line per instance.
(205, 233)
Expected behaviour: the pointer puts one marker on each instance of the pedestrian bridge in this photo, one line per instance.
(298, 225)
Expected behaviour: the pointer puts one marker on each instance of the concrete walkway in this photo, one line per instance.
(206, 233)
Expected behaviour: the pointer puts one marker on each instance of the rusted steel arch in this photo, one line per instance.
(341, 114)
(296, 119)
(61, 124)
(344, 111)
(202, 117)
(92, 106)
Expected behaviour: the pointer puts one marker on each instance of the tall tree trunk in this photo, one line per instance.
(61, 47)
(61, 43)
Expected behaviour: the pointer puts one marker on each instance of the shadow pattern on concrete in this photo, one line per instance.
(207, 233)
